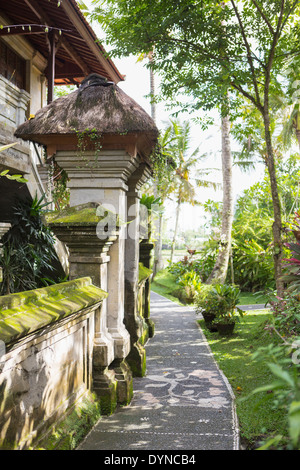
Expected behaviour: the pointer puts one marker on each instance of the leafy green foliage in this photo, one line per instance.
(221, 300)
(253, 266)
(191, 283)
(286, 315)
(282, 358)
(285, 390)
(208, 51)
(28, 251)
(60, 192)
(195, 51)
(292, 266)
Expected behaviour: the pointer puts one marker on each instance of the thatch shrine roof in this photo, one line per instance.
(97, 105)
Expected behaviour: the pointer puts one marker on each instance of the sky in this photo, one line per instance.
(137, 86)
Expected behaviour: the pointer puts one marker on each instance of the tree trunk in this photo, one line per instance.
(175, 231)
(277, 224)
(220, 268)
(298, 136)
(152, 88)
(158, 262)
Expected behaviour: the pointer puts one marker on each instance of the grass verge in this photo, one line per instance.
(165, 284)
(258, 419)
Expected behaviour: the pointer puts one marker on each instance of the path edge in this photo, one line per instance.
(235, 422)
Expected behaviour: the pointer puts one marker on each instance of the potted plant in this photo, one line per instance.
(207, 305)
(228, 313)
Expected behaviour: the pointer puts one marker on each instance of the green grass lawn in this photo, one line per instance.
(257, 418)
(165, 284)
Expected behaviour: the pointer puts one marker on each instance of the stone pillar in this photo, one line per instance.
(133, 320)
(145, 258)
(102, 178)
(89, 256)
(46, 179)
(4, 227)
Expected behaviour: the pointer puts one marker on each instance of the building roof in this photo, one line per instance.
(78, 51)
(97, 105)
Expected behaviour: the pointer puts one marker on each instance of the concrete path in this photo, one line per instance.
(183, 403)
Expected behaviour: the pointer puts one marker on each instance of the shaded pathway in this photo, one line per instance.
(183, 403)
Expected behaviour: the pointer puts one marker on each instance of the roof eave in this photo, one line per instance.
(72, 10)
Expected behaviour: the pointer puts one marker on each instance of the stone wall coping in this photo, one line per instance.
(82, 214)
(25, 312)
(144, 273)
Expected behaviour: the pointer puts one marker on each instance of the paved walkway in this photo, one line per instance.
(183, 403)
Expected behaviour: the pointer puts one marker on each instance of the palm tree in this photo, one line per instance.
(157, 264)
(187, 176)
(220, 268)
(290, 104)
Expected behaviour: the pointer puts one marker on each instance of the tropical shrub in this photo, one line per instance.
(206, 300)
(283, 362)
(286, 315)
(292, 266)
(202, 264)
(253, 265)
(191, 283)
(283, 359)
(220, 299)
(180, 267)
(28, 254)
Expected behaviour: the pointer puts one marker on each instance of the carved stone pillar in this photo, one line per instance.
(145, 258)
(100, 136)
(102, 177)
(4, 227)
(133, 320)
(89, 256)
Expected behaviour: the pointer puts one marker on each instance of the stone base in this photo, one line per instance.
(123, 377)
(137, 360)
(105, 387)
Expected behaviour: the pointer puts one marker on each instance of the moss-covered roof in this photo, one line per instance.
(26, 312)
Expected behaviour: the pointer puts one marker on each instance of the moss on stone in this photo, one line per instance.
(84, 214)
(138, 365)
(145, 334)
(144, 273)
(72, 430)
(108, 401)
(25, 312)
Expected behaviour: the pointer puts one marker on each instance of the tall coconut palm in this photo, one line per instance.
(157, 264)
(187, 176)
(220, 268)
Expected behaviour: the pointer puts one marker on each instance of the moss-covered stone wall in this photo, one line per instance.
(26, 312)
(46, 367)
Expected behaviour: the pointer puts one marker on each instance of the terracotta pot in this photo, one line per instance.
(225, 328)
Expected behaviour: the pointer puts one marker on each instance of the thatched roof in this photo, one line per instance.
(96, 105)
